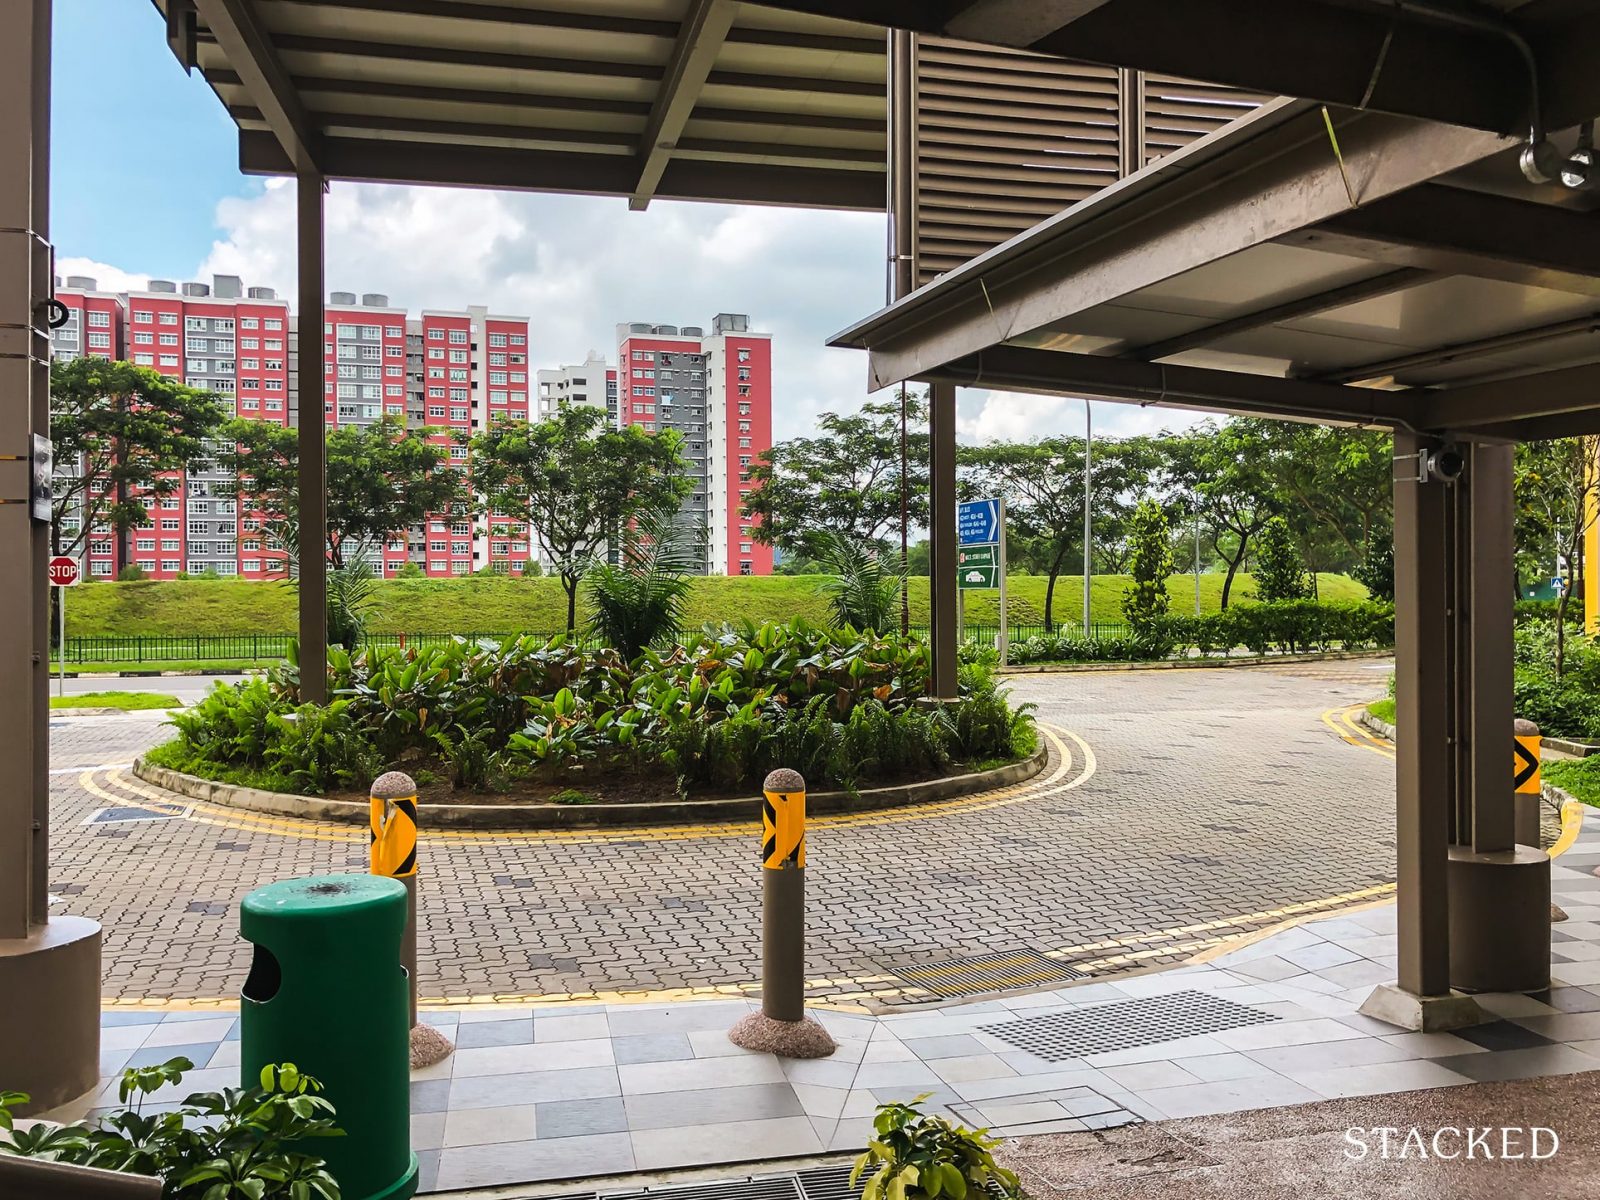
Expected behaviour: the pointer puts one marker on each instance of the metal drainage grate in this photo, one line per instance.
(1124, 1024)
(999, 972)
(833, 1183)
(771, 1187)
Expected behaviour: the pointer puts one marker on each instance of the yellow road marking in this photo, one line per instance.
(1354, 734)
(204, 813)
(1571, 826)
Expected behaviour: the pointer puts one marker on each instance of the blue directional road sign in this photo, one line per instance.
(978, 523)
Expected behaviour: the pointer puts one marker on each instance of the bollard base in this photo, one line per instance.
(805, 1038)
(429, 1046)
(1425, 1014)
(1499, 920)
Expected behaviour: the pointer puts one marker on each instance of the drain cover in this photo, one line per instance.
(987, 973)
(772, 1187)
(1124, 1024)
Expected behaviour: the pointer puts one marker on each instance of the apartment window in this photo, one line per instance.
(393, 389)
(169, 339)
(169, 564)
(460, 548)
(497, 397)
(744, 374)
(458, 356)
(744, 460)
(458, 414)
(144, 543)
(99, 320)
(272, 323)
(744, 547)
(143, 318)
(250, 364)
(249, 323)
(744, 354)
(274, 364)
(273, 385)
(436, 393)
(169, 360)
(458, 337)
(170, 544)
(436, 410)
(438, 547)
(198, 323)
(744, 411)
(744, 443)
(273, 405)
(168, 318)
(99, 341)
(744, 389)
(519, 339)
(144, 360)
(252, 564)
(458, 395)
(497, 360)
(497, 339)
(436, 335)
(169, 523)
(458, 452)
(249, 343)
(394, 331)
(458, 375)
(394, 351)
(274, 344)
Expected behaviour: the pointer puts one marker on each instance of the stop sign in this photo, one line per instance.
(63, 571)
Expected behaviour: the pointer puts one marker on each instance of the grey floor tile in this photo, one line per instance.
(1235, 1095)
(569, 1027)
(427, 1170)
(430, 1095)
(737, 1141)
(494, 1033)
(700, 1073)
(652, 1047)
(534, 1087)
(153, 1056)
(1521, 1064)
(554, 1057)
(1378, 1078)
(1269, 967)
(532, 1161)
(1503, 1035)
(1140, 1077)
(489, 1126)
(1215, 1068)
(576, 1118)
(111, 1019)
(1325, 1056)
(1563, 1027)
(678, 1019)
(427, 1130)
(1570, 999)
(952, 1045)
(758, 1102)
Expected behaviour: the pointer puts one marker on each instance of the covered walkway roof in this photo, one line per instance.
(683, 99)
(1395, 272)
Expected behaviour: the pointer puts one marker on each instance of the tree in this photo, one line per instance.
(846, 480)
(1227, 470)
(1042, 483)
(381, 480)
(1375, 571)
(1557, 491)
(1145, 600)
(1280, 572)
(121, 435)
(578, 483)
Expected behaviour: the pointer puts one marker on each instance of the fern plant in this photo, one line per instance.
(640, 600)
(863, 583)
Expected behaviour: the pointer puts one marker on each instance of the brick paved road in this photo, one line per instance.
(1218, 796)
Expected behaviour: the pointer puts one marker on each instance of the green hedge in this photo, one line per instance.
(718, 712)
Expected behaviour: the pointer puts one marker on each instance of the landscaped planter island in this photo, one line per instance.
(540, 733)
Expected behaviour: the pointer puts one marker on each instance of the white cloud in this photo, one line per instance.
(107, 278)
(577, 266)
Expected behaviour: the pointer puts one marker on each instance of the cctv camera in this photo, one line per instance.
(1443, 463)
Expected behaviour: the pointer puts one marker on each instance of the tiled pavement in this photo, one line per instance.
(1218, 795)
(565, 1091)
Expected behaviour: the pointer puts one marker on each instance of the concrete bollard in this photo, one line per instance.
(782, 1027)
(394, 854)
(1526, 782)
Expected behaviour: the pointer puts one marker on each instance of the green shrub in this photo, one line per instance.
(720, 711)
(914, 1156)
(131, 573)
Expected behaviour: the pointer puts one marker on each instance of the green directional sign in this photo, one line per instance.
(978, 578)
(978, 567)
(978, 556)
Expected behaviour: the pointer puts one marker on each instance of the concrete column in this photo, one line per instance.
(1485, 588)
(942, 536)
(313, 499)
(49, 970)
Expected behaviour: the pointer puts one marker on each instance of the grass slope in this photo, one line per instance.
(1579, 776)
(496, 604)
(127, 701)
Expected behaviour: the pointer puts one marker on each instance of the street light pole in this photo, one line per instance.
(1197, 556)
(1088, 532)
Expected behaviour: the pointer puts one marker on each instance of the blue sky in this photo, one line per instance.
(140, 152)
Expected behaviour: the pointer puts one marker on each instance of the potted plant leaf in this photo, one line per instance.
(918, 1156)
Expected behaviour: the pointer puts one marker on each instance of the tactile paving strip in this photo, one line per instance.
(1003, 971)
(1124, 1024)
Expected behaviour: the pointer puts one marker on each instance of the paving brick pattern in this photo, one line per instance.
(1218, 794)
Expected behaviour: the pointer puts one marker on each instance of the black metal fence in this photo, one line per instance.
(264, 647)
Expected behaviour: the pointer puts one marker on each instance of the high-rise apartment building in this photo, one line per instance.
(715, 389)
(448, 373)
(592, 382)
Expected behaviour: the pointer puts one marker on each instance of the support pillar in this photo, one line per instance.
(312, 514)
(1467, 897)
(49, 969)
(942, 536)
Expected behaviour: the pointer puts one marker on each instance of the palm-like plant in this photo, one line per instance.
(863, 583)
(350, 593)
(641, 599)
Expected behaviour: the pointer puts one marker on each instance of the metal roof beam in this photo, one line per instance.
(1503, 404)
(371, 160)
(700, 38)
(384, 90)
(245, 42)
(1289, 310)
(1460, 232)
(1376, 56)
(1460, 351)
(1272, 176)
(1052, 372)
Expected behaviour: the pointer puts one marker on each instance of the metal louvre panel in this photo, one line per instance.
(1180, 111)
(1005, 138)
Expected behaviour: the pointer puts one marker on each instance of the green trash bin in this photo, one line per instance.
(327, 992)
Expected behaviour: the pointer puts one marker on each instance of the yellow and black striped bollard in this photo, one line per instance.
(783, 859)
(1526, 784)
(394, 853)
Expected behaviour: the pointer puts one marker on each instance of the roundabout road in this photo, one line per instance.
(1179, 809)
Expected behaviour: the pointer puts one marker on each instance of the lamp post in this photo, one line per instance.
(1088, 531)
